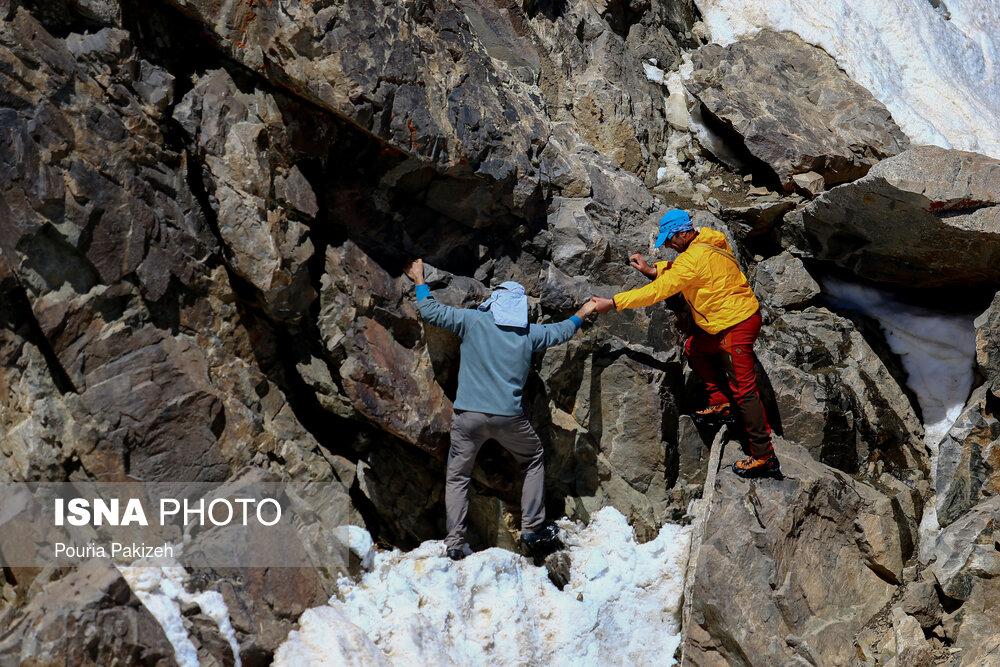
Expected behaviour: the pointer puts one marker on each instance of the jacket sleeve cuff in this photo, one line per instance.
(423, 291)
(577, 321)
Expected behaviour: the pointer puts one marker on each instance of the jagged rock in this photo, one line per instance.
(213, 649)
(263, 604)
(395, 389)
(448, 122)
(921, 602)
(911, 647)
(591, 73)
(563, 293)
(928, 217)
(692, 453)
(835, 396)
(88, 617)
(150, 365)
(967, 568)
(365, 318)
(884, 536)
(810, 181)
(968, 466)
(988, 344)
(782, 281)
(102, 11)
(261, 203)
(779, 571)
(593, 237)
(558, 566)
(59, 206)
(794, 108)
(408, 494)
(34, 417)
(635, 407)
(759, 218)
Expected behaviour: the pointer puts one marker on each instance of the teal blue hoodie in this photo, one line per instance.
(495, 360)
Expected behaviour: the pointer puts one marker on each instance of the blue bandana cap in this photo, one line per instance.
(674, 221)
(508, 304)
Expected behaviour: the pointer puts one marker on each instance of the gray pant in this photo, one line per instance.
(469, 430)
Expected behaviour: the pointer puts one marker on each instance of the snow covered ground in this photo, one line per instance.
(933, 63)
(621, 606)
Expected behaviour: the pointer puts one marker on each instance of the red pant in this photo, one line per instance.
(735, 346)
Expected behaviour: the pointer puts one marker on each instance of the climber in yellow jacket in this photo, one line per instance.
(728, 316)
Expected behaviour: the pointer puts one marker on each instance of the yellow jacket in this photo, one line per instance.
(712, 284)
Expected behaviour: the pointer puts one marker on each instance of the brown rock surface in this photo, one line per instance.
(87, 617)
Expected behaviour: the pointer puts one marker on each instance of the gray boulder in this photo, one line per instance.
(967, 568)
(261, 204)
(836, 397)
(968, 467)
(794, 108)
(783, 572)
(988, 344)
(88, 617)
(928, 217)
(782, 281)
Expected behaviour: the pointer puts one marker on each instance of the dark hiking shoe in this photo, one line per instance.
(539, 544)
(766, 466)
(460, 552)
(547, 533)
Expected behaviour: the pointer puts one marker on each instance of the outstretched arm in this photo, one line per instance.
(438, 314)
(547, 335)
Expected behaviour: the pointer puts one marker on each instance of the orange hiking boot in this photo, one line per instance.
(713, 416)
(766, 466)
(717, 410)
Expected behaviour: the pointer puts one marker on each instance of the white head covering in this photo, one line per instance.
(508, 305)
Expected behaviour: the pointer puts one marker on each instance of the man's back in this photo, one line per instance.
(495, 360)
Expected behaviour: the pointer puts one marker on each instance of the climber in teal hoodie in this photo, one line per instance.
(497, 344)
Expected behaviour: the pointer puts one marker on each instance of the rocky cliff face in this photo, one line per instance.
(205, 209)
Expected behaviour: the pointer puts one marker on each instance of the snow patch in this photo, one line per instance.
(937, 350)
(496, 608)
(162, 591)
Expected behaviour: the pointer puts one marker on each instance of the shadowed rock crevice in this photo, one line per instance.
(738, 157)
(18, 317)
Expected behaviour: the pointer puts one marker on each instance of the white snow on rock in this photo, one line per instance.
(937, 350)
(621, 606)
(162, 591)
(938, 353)
(933, 65)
